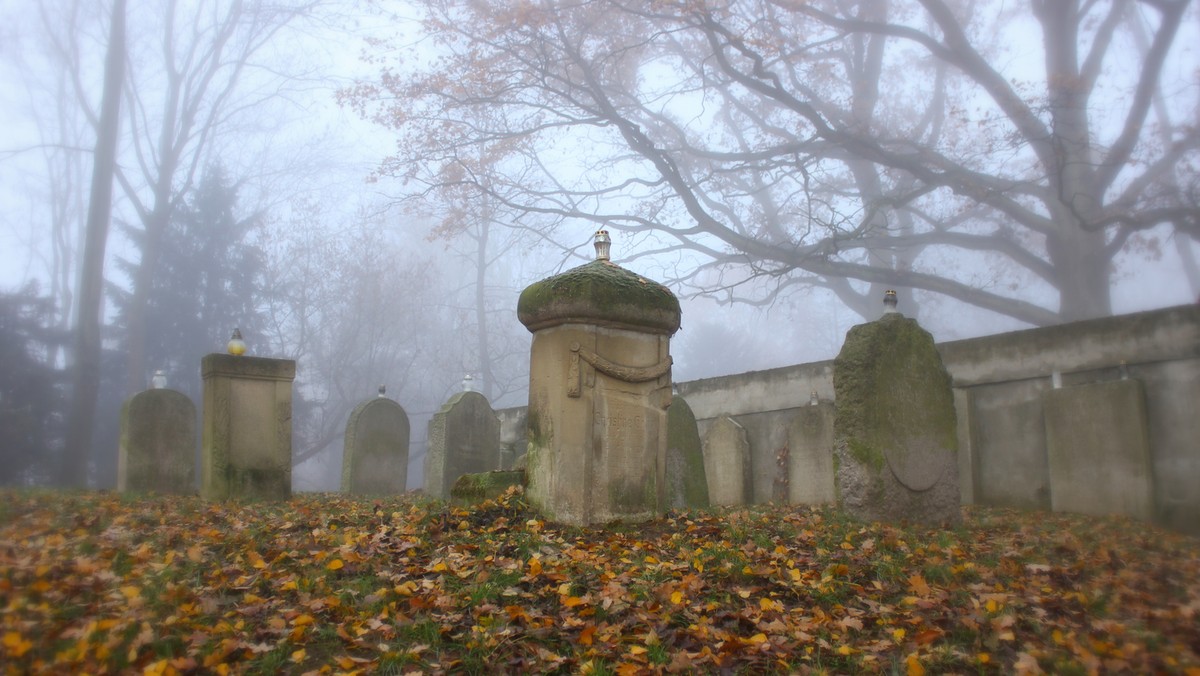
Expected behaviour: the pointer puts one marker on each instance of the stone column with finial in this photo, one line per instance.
(246, 431)
(599, 388)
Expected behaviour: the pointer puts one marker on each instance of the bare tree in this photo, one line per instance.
(773, 145)
(86, 372)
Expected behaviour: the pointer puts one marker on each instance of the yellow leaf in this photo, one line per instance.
(913, 665)
(795, 574)
(195, 553)
(677, 597)
(898, 634)
(983, 658)
(637, 650)
(845, 650)
(299, 656)
(439, 567)
(572, 601)
(290, 585)
(535, 567)
(302, 620)
(758, 638)
(337, 564)
(15, 644)
(406, 588)
(131, 592)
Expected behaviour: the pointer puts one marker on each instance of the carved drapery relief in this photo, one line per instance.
(629, 374)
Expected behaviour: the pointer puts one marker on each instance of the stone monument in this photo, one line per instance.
(895, 438)
(246, 438)
(599, 388)
(727, 462)
(687, 485)
(375, 453)
(464, 438)
(157, 451)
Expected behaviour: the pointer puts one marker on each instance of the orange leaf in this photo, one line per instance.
(913, 665)
(585, 637)
(335, 564)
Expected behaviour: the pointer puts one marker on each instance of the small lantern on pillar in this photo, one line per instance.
(382, 391)
(603, 245)
(159, 381)
(236, 346)
(889, 301)
(468, 383)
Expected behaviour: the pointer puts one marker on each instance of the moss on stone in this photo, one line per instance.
(877, 363)
(600, 291)
(866, 454)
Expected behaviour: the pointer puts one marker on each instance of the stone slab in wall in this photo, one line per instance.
(895, 431)
(157, 451)
(810, 455)
(464, 438)
(1098, 449)
(727, 462)
(375, 452)
(687, 484)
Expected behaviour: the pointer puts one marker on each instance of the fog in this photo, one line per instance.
(368, 189)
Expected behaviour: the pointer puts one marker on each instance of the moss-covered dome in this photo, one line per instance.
(600, 292)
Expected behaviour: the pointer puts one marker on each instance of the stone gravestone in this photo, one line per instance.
(246, 438)
(727, 462)
(895, 437)
(687, 485)
(375, 453)
(464, 438)
(599, 389)
(810, 455)
(1098, 449)
(157, 451)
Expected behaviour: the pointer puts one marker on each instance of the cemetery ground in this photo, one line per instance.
(102, 582)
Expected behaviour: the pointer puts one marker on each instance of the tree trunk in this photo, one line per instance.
(86, 368)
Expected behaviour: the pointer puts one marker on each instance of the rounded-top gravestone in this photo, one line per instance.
(895, 443)
(157, 451)
(375, 454)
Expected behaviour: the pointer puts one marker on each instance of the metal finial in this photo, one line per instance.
(603, 245)
(236, 345)
(383, 390)
(889, 301)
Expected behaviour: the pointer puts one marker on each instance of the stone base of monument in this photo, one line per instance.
(472, 489)
(895, 442)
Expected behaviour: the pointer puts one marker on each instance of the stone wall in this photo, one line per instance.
(1001, 386)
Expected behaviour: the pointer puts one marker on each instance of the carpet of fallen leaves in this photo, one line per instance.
(99, 582)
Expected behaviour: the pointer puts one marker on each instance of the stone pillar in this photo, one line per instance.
(464, 438)
(810, 456)
(157, 452)
(687, 484)
(727, 462)
(895, 431)
(246, 447)
(599, 388)
(375, 453)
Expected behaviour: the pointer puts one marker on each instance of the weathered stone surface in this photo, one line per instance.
(1098, 446)
(464, 438)
(727, 462)
(810, 456)
(471, 489)
(246, 438)
(599, 388)
(600, 293)
(895, 428)
(687, 485)
(157, 451)
(375, 453)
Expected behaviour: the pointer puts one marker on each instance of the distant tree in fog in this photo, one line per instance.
(31, 405)
(999, 154)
